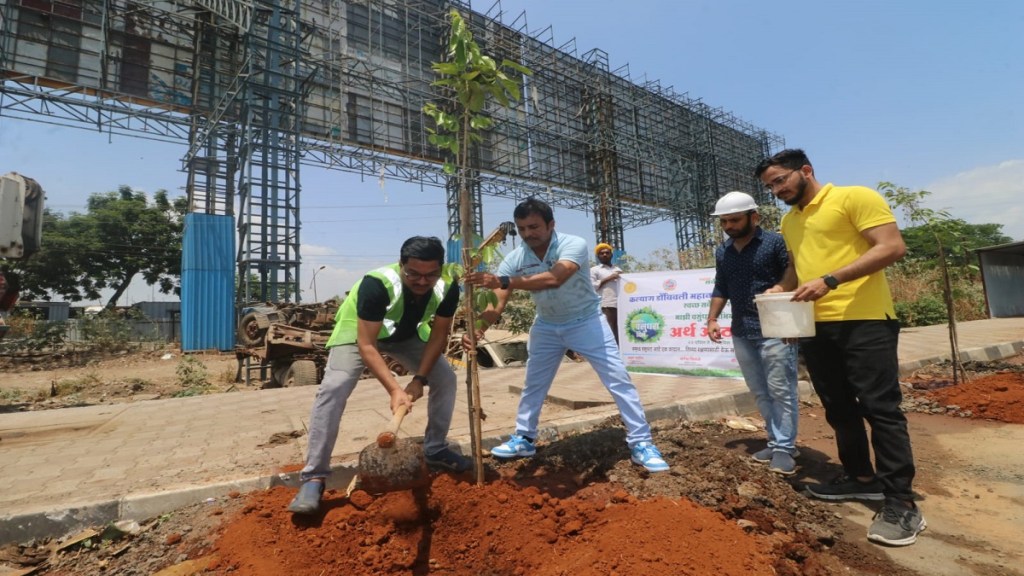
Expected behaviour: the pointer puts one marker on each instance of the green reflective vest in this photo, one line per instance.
(346, 321)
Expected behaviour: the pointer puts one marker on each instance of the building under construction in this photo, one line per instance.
(259, 88)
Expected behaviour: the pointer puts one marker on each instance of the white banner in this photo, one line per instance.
(663, 324)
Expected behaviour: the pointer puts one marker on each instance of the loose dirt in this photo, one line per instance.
(580, 507)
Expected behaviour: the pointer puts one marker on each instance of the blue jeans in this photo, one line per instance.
(591, 338)
(344, 367)
(769, 367)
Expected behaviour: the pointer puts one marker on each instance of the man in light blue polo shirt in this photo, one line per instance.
(555, 269)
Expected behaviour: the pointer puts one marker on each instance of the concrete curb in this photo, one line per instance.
(984, 354)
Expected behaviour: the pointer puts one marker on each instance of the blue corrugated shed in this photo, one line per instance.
(208, 283)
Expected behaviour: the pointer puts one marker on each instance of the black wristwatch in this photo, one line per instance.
(831, 281)
(421, 379)
(504, 280)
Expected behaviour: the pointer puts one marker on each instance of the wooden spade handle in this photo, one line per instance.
(386, 439)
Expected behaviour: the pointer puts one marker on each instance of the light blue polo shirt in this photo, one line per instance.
(573, 300)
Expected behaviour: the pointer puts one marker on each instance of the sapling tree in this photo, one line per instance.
(469, 80)
(938, 224)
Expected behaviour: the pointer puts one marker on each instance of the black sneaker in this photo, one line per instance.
(897, 524)
(448, 459)
(846, 488)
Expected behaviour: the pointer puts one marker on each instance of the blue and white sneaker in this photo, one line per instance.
(516, 447)
(648, 456)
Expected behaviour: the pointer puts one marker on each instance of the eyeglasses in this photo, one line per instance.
(414, 276)
(779, 180)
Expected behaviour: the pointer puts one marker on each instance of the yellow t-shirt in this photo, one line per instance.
(825, 236)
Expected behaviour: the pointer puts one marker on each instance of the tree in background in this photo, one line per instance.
(121, 236)
(944, 245)
(961, 239)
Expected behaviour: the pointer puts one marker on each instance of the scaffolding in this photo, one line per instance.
(259, 88)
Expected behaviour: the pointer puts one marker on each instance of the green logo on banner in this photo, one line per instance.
(644, 325)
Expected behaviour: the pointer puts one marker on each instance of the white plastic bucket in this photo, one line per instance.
(783, 318)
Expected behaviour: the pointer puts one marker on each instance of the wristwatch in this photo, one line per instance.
(421, 379)
(831, 281)
(504, 280)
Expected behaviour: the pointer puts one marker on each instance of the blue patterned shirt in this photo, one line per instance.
(574, 299)
(741, 275)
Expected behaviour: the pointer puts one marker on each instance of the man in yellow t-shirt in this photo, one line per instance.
(841, 239)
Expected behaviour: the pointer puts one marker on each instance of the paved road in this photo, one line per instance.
(64, 469)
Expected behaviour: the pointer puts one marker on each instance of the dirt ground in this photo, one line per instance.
(579, 507)
(44, 382)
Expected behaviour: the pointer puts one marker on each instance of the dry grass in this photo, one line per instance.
(920, 289)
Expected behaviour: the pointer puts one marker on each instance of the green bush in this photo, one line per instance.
(926, 311)
(28, 332)
(191, 374)
(107, 331)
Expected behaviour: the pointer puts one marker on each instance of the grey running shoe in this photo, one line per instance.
(782, 463)
(765, 456)
(307, 501)
(846, 488)
(897, 524)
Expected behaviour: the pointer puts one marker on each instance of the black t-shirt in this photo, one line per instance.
(374, 299)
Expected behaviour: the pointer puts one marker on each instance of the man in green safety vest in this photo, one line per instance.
(404, 310)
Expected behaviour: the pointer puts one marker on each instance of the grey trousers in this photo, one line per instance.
(344, 366)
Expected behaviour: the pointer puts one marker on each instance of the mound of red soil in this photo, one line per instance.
(998, 396)
(457, 527)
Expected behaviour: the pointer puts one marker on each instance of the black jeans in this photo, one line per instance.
(855, 371)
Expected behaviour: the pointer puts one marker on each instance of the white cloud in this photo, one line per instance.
(984, 195)
(311, 251)
(335, 273)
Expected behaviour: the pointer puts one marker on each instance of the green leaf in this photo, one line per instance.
(517, 67)
(448, 68)
(460, 55)
(440, 140)
(476, 100)
(481, 122)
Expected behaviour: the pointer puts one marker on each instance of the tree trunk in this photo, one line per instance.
(947, 295)
(472, 374)
(119, 291)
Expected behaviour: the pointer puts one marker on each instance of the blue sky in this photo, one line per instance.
(920, 93)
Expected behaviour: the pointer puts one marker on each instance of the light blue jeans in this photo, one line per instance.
(591, 338)
(769, 367)
(344, 366)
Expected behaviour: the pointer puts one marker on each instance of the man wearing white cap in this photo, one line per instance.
(750, 262)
